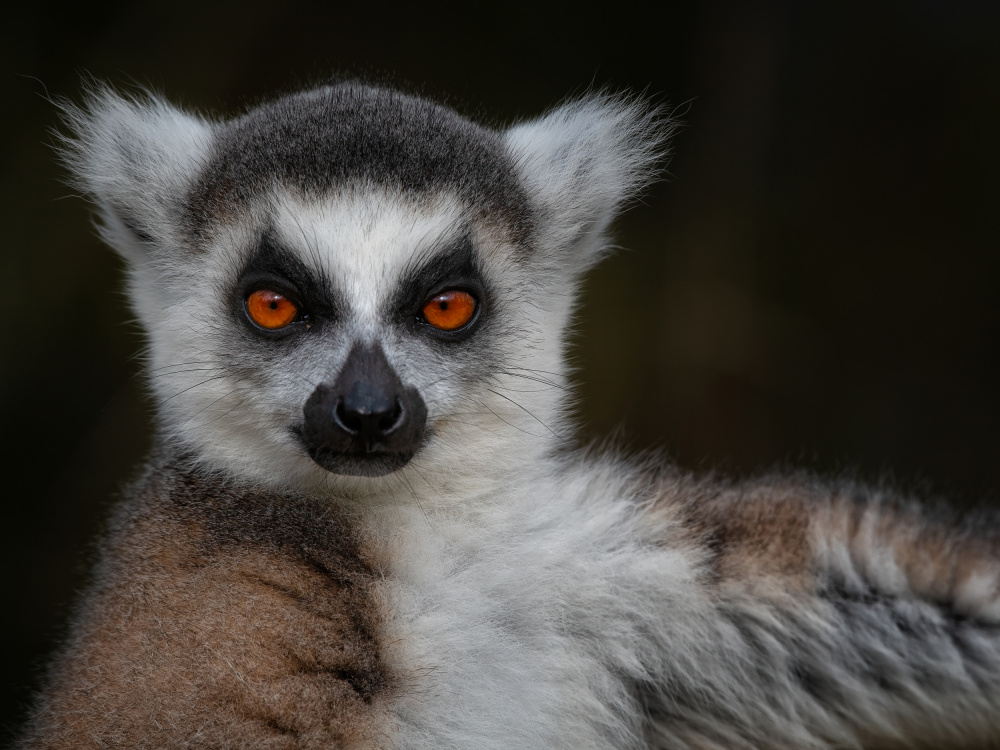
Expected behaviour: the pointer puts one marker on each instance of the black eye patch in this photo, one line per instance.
(453, 267)
(273, 266)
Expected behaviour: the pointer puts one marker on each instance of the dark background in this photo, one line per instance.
(815, 283)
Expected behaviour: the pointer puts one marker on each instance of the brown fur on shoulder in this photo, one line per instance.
(221, 617)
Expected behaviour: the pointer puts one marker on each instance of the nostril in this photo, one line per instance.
(349, 421)
(391, 419)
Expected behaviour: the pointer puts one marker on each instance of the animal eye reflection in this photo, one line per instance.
(450, 310)
(271, 310)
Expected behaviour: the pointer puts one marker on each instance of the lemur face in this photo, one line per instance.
(355, 339)
(355, 332)
(355, 290)
(407, 288)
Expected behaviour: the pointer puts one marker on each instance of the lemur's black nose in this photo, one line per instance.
(365, 423)
(369, 414)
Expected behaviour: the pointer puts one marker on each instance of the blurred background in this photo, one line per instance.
(814, 284)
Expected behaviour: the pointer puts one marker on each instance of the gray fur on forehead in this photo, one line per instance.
(335, 136)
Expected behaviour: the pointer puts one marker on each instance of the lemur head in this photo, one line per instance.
(350, 285)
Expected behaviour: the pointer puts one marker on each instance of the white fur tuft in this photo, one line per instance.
(135, 156)
(583, 162)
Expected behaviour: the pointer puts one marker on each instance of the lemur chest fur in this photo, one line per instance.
(282, 621)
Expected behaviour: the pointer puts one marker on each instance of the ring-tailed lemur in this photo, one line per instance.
(361, 526)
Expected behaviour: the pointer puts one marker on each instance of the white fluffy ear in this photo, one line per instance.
(136, 157)
(582, 162)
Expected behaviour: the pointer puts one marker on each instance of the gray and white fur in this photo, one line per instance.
(458, 576)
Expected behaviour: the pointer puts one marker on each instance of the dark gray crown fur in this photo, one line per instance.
(335, 137)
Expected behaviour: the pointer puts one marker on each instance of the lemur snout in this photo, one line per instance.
(366, 423)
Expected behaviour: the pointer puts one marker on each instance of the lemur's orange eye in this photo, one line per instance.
(271, 310)
(451, 310)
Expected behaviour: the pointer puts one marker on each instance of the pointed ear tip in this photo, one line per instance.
(624, 120)
(97, 109)
(641, 118)
(104, 118)
(85, 126)
(103, 107)
(120, 146)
